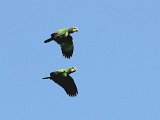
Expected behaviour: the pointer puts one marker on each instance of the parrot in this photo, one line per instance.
(62, 78)
(64, 39)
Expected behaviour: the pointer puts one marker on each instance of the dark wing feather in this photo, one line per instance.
(67, 46)
(67, 83)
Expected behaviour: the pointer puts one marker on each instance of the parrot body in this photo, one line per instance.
(62, 78)
(64, 39)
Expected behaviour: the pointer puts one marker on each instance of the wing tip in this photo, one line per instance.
(73, 94)
(67, 54)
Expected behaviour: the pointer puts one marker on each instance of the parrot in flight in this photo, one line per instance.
(62, 77)
(65, 40)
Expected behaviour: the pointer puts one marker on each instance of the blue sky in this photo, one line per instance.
(117, 55)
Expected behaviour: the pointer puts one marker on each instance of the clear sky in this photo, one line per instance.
(117, 54)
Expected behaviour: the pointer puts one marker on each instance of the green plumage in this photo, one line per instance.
(63, 32)
(62, 78)
(64, 39)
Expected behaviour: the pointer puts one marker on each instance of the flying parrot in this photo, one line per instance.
(62, 78)
(64, 39)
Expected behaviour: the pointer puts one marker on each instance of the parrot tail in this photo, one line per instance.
(46, 78)
(48, 40)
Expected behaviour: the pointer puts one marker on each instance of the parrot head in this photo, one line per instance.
(73, 29)
(72, 69)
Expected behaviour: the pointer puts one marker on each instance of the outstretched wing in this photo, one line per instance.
(67, 46)
(67, 83)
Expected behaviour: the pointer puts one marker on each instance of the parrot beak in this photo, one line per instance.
(76, 30)
(75, 68)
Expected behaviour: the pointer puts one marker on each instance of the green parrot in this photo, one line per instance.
(62, 78)
(64, 39)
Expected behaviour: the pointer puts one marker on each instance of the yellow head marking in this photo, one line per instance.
(74, 29)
